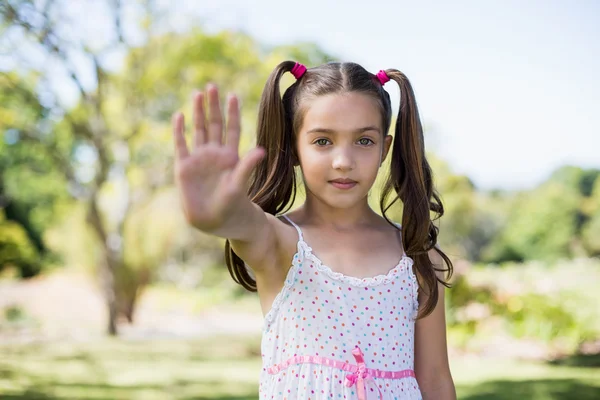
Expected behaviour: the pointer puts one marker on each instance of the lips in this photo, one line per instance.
(343, 180)
(343, 183)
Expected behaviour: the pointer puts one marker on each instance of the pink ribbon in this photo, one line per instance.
(361, 376)
(358, 376)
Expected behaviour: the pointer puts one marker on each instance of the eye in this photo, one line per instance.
(321, 142)
(366, 141)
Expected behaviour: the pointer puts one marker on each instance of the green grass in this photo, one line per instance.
(115, 369)
(480, 379)
(227, 368)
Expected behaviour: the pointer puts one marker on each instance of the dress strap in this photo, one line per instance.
(401, 237)
(295, 226)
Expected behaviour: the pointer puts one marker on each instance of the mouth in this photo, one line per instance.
(343, 183)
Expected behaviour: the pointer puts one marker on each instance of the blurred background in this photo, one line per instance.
(105, 293)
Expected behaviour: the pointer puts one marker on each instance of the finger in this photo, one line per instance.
(199, 120)
(232, 138)
(215, 120)
(181, 149)
(243, 170)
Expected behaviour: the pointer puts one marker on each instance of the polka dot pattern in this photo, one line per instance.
(323, 313)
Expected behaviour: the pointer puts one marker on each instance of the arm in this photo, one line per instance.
(211, 179)
(431, 352)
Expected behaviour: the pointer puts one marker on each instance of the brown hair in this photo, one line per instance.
(273, 183)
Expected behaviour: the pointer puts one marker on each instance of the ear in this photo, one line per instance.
(387, 143)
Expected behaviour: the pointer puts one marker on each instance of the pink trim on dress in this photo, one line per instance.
(359, 373)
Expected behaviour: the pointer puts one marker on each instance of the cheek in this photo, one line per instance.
(314, 164)
(309, 153)
(369, 158)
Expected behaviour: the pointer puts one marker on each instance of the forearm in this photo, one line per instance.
(438, 389)
(241, 223)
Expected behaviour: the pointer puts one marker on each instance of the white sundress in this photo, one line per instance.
(332, 336)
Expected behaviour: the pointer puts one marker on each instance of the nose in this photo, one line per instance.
(343, 159)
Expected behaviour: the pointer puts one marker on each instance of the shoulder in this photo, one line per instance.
(287, 234)
(274, 240)
(285, 224)
(284, 229)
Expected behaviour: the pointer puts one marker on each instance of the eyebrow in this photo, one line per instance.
(332, 131)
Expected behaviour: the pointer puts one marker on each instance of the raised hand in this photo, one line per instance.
(211, 178)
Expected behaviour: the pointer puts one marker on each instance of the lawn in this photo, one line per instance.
(226, 368)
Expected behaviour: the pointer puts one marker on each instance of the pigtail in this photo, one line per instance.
(411, 179)
(272, 184)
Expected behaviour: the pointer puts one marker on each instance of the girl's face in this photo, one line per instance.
(341, 140)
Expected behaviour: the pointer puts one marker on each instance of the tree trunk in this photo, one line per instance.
(131, 284)
(109, 264)
(129, 307)
(107, 279)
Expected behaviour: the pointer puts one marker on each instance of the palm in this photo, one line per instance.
(211, 177)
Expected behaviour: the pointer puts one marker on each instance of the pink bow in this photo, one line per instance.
(352, 379)
(360, 376)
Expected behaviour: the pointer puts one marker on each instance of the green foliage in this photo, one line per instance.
(15, 319)
(554, 304)
(545, 317)
(591, 235)
(576, 179)
(31, 186)
(459, 222)
(16, 249)
(591, 228)
(540, 225)
(14, 314)
(558, 219)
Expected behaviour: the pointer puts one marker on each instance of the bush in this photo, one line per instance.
(557, 305)
(16, 250)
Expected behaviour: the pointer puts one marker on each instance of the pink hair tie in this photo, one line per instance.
(298, 70)
(383, 77)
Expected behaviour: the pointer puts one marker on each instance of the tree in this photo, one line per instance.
(547, 223)
(590, 231)
(112, 146)
(31, 191)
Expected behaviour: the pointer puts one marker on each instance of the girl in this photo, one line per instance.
(339, 285)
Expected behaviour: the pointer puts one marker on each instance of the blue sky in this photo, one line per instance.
(508, 90)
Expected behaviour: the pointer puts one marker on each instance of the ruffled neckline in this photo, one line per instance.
(404, 264)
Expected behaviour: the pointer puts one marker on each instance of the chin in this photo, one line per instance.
(345, 201)
(335, 198)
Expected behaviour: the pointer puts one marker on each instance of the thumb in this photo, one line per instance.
(243, 169)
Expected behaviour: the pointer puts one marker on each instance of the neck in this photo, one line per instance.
(315, 212)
